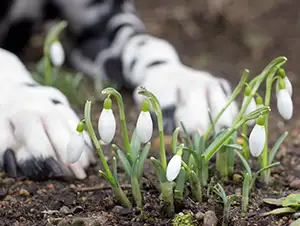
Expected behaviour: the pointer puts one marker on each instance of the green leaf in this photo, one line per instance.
(276, 146)
(160, 172)
(174, 140)
(260, 171)
(276, 202)
(245, 164)
(180, 182)
(186, 134)
(115, 168)
(234, 146)
(293, 200)
(214, 147)
(134, 168)
(135, 145)
(199, 144)
(278, 211)
(142, 158)
(295, 223)
(109, 180)
(125, 163)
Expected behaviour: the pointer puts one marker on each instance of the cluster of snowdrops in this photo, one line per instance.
(188, 169)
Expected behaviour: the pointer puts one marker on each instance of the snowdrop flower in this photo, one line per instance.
(174, 166)
(251, 107)
(76, 144)
(257, 138)
(287, 82)
(57, 54)
(284, 101)
(107, 122)
(144, 125)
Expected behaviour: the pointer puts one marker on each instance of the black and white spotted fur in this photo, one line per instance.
(110, 42)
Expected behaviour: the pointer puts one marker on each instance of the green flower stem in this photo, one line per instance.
(253, 115)
(276, 63)
(118, 97)
(157, 109)
(264, 156)
(245, 195)
(245, 145)
(87, 113)
(235, 93)
(167, 196)
(51, 37)
(119, 193)
(121, 196)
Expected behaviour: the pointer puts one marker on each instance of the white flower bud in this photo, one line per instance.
(107, 125)
(144, 126)
(257, 140)
(173, 167)
(284, 104)
(57, 54)
(75, 147)
(251, 107)
(288, 86)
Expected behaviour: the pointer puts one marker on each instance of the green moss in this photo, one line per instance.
(184, 219)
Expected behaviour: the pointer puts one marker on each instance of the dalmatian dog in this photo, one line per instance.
(110, 41)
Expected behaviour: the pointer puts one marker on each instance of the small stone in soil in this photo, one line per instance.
(210, 218)
(199, 216)
(295, 183)
(64, 210)
(24, 192)
(77, 209)
(121, 210)
(79, 222)
(8, 181)
(2, 194)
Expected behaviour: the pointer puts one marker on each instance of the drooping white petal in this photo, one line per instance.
(173, 167)
(257, 140)
(57, 54)
(284, 104)
(288, 86)
(144, 127)
(107, 125)
(75, 147)
(251, 107)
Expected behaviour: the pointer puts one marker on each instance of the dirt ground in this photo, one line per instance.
(224, 38)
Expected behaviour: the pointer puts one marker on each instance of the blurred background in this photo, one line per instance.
(227, 36)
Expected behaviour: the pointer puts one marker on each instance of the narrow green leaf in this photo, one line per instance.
(276, 202)
(135, 145)
(295, 223)
(174, 140)
(260, 171)
(276, 146)
(109, 180)
(292, 200)
(187, 136)
(234, 146)
(142, 158)
(278, 211)
(180, 182)
(216, 144)
(160, 172)
(245, 163)
(199, 144)
(125, 163)
(115, 168)
(134, 168)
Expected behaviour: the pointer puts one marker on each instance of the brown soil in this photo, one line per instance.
(236, 37)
